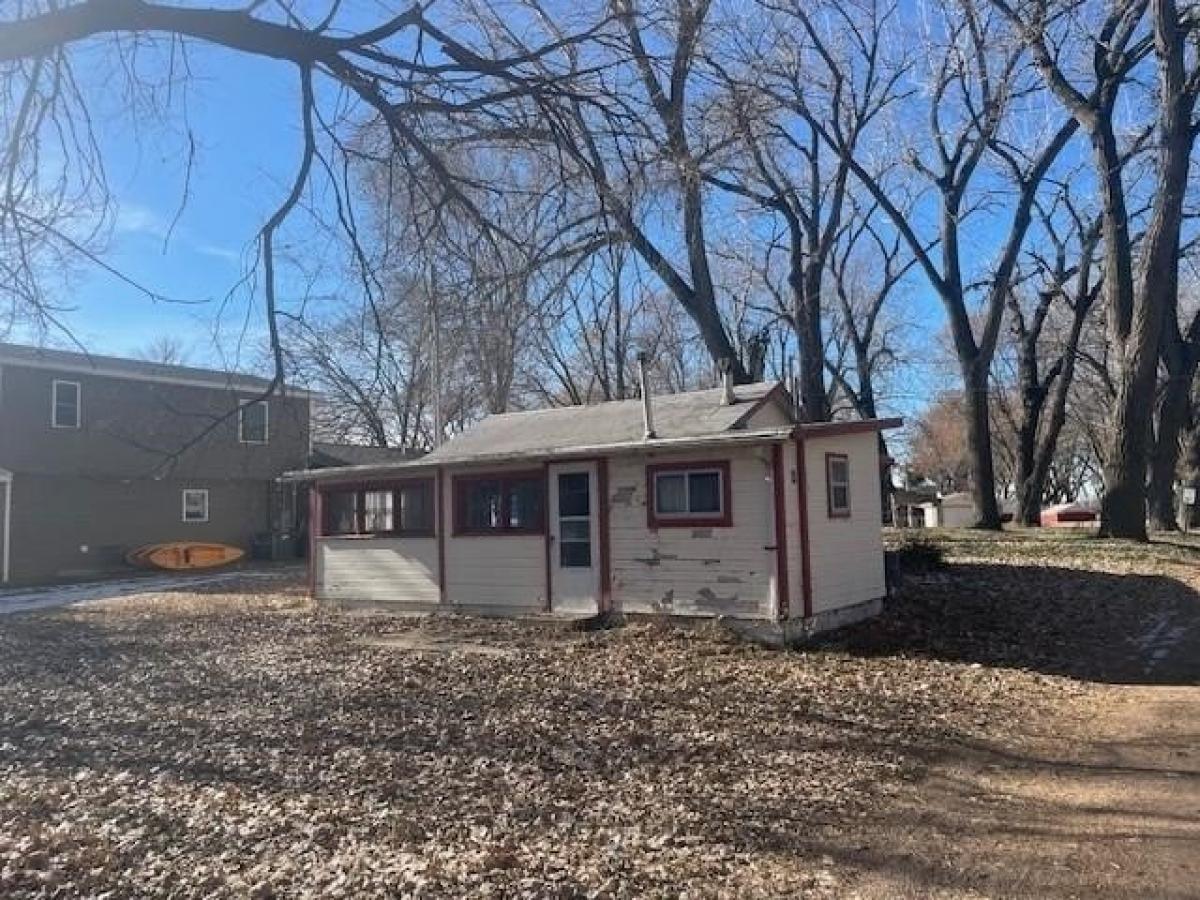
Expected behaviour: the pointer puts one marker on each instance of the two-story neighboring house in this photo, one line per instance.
(99, 456)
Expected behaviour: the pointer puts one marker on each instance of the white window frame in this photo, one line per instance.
(266, 421)
(203, 492)
(54, 423)
(833, 511)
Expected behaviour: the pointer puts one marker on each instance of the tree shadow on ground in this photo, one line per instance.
(1092, 626)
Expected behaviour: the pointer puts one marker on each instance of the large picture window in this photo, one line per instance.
(688, 494)
(504, 503)
(404, 509)
(837, 484)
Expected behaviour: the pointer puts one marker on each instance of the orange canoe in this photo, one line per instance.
(181, 555)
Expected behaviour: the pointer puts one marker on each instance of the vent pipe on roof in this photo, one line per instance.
(726, 367)
(647, 410)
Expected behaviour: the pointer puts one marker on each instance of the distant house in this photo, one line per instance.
(99, 456)
(952, 511)
(710, 503)
(910, 506)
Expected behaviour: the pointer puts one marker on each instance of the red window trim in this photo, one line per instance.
(364, 487)
(836, 513)
(725, 520)
(459, 483)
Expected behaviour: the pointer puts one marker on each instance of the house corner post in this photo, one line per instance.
(316, 514)
(782, 598)
(806, 591)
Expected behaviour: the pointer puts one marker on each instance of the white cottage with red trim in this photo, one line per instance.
(708, 503)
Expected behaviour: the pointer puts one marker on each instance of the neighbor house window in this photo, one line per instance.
(254, 422)
(195, 505)
(404, 509)
(837, 484)
(688, 494)
(64, 405)
(507, 503)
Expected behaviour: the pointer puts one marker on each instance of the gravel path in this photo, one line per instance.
(29, 599)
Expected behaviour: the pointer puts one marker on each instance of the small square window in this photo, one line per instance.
(689, 494)
(254, 422)
(65, 404)
(837, 484)
(195, 505)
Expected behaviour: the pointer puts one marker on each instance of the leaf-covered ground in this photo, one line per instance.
(238, 745)
(230, 744)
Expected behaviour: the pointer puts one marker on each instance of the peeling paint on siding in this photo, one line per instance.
(623, 496)
(695, 571)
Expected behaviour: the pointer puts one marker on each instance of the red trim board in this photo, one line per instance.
(725, 520)
(805, 547)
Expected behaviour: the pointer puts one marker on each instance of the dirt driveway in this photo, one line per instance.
(1101, 799)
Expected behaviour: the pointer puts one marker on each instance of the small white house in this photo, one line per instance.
(709, 503)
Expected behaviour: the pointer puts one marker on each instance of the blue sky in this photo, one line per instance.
(241, 114)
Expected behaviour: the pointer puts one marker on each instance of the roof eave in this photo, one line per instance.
(352, 473)
(839, 429)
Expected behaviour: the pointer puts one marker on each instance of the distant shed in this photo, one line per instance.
(1070, 515)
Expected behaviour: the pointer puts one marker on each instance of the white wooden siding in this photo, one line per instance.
(694, 571)
(399, 572)
(846, 553)
(501, 572)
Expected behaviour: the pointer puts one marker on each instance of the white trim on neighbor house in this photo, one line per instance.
(202, 492)
(242, 404)
(54, 386)
(6, 479)
(99, 369)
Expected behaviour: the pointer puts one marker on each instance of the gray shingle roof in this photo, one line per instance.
(68, 360)
(327, 454)
(695, 414)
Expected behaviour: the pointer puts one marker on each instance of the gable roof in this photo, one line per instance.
(135, 369)
(692, 420)
(544, 432)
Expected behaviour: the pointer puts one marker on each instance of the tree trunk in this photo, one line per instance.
(1123, 507)
(1123, 511)
(1029, 488)
(1172, 419)
(805, 282)
(979, 446)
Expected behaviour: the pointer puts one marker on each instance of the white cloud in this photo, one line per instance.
(137, 220)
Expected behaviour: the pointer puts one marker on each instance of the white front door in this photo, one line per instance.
(574, 539)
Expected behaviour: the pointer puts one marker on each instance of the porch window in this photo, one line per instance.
(837, 484)
(404, 509)
(254, 422)
(64, 404)
(505, 503)
(689, 494)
